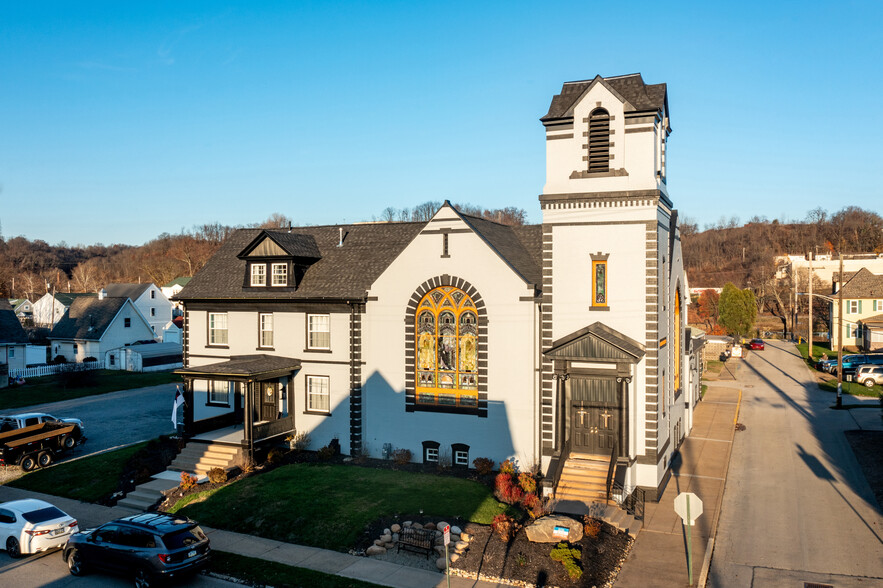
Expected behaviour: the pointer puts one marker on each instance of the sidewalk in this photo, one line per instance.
(659, 555)
(322, 560)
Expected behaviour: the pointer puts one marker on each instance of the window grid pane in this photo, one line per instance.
(318, 396)
(258, 274)
(461, 458)
(280, 274)
(217, 328)
(320, 331)
(431, 454)
(266, 330)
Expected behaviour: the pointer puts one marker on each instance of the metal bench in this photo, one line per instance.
(417, 540)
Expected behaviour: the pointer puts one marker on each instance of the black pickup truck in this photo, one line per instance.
(37, 445)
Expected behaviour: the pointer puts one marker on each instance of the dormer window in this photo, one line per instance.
(280, 274)
(258, 274)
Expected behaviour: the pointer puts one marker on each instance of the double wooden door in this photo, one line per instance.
(593, 428)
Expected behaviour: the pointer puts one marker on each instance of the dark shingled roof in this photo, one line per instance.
(87, 318)
(133, 291)
(631, 87)
(342, 272)
(295, 244)
(863, 284)
(244, 366)
(11, 330)
(182, 281)
(347, 272)
(67, 298)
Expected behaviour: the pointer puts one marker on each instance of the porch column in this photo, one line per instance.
(624, 416)
(248, 426)
(188, 407)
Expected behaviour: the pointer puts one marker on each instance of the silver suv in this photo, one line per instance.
(869, 375)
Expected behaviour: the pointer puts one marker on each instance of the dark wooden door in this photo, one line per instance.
(269, 401)
(594, 429)
(582, 435)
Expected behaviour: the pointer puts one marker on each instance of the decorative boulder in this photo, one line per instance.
(395, 537)
(465, 537)
(386, 538)
(430, 526)
(407, 523)
(455, 557)
(440, 563)
(460, 546)
(416, 525)
(543, 530)
(441, 525)
(387, 532)
(455, 530)
(395, 528)
(375, 550)
(378, 542)
(389, 545)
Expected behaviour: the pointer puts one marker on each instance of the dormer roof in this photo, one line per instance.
(269, 243)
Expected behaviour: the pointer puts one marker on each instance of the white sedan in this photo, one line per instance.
(32, 526)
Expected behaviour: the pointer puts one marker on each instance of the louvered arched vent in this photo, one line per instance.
(599, 140)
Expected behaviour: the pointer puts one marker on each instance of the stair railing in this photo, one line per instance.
(611, 470)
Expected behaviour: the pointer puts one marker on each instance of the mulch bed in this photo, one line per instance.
(524, 561)
(866, 447)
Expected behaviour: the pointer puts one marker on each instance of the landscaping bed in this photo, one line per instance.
(521, 560)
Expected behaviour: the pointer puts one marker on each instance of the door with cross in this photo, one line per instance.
(593, 428)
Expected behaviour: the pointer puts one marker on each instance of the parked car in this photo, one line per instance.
(152, 547)
(755, 344)
(18, 421)
(869, 374)
(33, 526)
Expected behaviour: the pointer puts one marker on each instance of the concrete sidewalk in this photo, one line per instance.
(659, 555)
(322, 560)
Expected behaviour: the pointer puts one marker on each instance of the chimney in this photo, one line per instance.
(102, 294)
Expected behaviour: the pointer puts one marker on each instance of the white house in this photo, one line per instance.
(559, 345)
(149, 300)
(144, 357)
(171, 290)
(50, 308)
(94, 326)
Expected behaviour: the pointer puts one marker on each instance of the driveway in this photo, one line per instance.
(116, 418)
(796, 507)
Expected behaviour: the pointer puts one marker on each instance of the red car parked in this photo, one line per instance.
(755, 344)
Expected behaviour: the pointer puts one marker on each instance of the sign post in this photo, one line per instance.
(447, 533)
(689, 508)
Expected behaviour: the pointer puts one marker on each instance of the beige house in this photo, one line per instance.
(862, 304)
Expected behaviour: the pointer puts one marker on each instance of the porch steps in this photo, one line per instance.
(583, 479)
(198, 458)
(147, 494)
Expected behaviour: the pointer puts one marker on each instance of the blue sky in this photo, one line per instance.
(120, 121)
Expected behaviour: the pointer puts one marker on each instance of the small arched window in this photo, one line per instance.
(599, 140)
(447, 349)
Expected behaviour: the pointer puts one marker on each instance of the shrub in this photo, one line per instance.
(569, 558)
(276, 455)
(59, 359)
(248, 466)
(326, 453)
(591, 526)
(217, 475)
(505, 490)
(187, 481)
(505, 527)
(507, 467)
(533, 504)
(527, 483)
(89, 359)
(483, 465)
(401, 456)
(444, 461)
(298, 441)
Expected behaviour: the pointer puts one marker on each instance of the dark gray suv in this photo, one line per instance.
(149, 546)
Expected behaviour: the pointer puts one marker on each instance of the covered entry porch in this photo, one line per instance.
(245, 400)
(593, 371)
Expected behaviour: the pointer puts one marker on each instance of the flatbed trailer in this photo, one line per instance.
(36, 445)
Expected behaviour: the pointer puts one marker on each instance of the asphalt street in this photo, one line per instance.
(116, 418)
(797, 507)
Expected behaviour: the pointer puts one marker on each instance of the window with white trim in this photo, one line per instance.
(852, 306)
(153, 293)
(266, 327)
(318, 394)
(319, 331)
(219, 391)
(217, 328)
(152, 312)
(461, 458)
(258, 274)
(280, 274)
(432, 454)
(11, 352)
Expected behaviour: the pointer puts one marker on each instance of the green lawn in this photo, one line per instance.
(259, 572)
(52, 388)
(818, 349)
(853, 388)
(88, 479)
(329, 506)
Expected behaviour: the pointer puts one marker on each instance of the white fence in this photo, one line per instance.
(48, 370)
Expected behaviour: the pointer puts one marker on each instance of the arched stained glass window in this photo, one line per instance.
(447, 349)
(677, 346)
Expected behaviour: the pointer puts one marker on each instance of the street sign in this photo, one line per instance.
(687, 512)
(447, 532)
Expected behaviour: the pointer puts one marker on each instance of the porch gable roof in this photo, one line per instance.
(596, 342)
(245, 366)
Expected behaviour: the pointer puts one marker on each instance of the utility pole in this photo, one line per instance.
(840, 331)
(809, 340)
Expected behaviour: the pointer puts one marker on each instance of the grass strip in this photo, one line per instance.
(853, 388)
(52, 388)
(88, 479)
(259, 572)
(329, 506)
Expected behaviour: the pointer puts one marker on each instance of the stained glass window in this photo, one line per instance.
(447, 349)
(599, 283)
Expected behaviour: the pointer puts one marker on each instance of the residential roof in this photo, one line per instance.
(157, 349)
(245, 366)
(87, 318)
(11, 330)
(133, 291)
(346, 272)
(182, 281)
(294, 244)
(630, 87)
(863, 284)
(67, 298)
(876, 320)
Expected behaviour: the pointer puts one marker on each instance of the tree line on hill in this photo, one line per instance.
(29, 269)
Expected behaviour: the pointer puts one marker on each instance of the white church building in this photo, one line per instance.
(560, 345)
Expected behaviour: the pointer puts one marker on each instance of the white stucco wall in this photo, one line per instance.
(511, 428)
